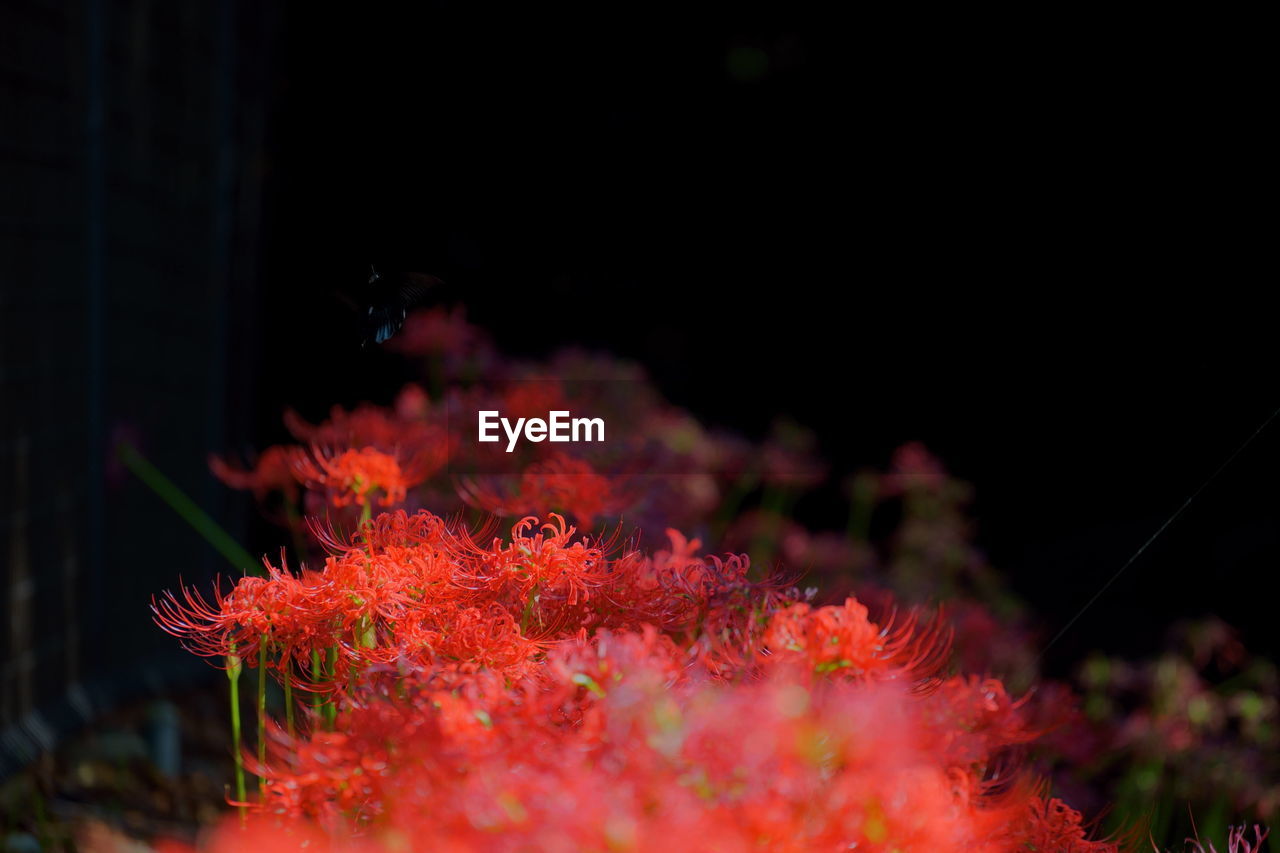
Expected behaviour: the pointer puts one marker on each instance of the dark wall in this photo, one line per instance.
(132, 140)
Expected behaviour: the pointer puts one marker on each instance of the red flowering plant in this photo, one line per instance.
(462, 668)
(553, 691)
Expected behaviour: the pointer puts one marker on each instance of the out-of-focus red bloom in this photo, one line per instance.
(560, 483)
(412, 403)
(913, 468)
(617, 748)
(543, 693)
(369, 426)
(828, 557)
(436, 331)
(367, 455)
(273, 472)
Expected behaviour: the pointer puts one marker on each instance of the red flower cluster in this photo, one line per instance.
(362, 457)
(462, 687)
(556, 692)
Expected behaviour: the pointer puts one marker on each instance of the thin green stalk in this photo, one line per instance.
(294, 520)
(728, 508)
(773, 504)
(234, 667)
(42, 821)
(862, 499)
(330, 709)
(262, 719)
(317, 675)
(186, 508)
(286, 665)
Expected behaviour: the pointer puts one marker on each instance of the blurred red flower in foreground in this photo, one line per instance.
(552, 692)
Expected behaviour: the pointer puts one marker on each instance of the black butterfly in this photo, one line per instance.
(389, 299)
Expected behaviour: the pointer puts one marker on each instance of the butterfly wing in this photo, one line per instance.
(391, 300)
(413, 287)
(382, 322)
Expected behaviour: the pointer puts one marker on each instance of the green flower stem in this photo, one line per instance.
(234, 668)
(774, 503)
(262, 719)
(286, 666)
(294, 519)
(317, 675)
(187, 509)
(331, 709)
(862, 500)
(729, 506)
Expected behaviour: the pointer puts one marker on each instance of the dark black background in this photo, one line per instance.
(1032, 250)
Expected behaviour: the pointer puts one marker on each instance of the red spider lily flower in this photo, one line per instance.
(545, 692)
(273, 472)
(671, 588)
(414, 430)
(561, 484)
(544, 577)
(278, 610)
(366, 425)
(410, 588)
(979, 718)
(710, 600)
(1051, 824)
(842, 639)
(366, 450)
(359, 475)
